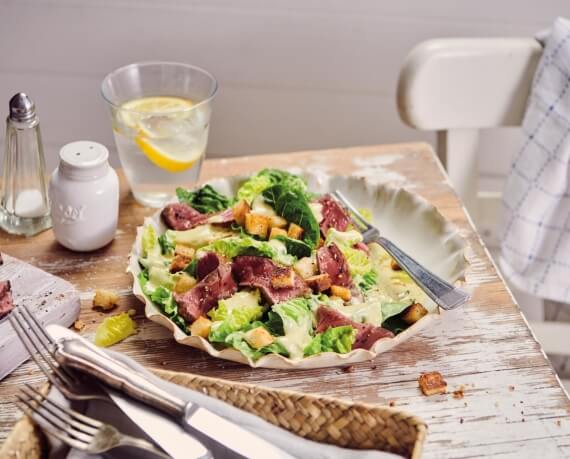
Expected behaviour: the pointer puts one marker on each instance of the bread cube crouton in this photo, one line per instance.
(201, 327)
(319, 283)
(258, 225)
(283, 279)
(239, 210)
(294, 231)
(341, 292)
(184, 251)
(184, 283)
(258, 337)
(277, 232)
(306, 267)
(414, 313)
(105, 299)
(432, 383)
(79, 325)
(275, 221)
(179, 263)
(394, 265)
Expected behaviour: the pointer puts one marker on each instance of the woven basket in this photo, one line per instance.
(323, 419)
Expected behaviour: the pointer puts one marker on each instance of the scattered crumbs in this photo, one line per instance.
(558, 423)
(373, 367)
(465, 404)
(522, 412)
(459, 393)
(461, 421)
(132, 312)
(163, 363)
(521, 401)
(79, 325)
(392, 403)
(348, 369)
(511, 388)
(432, 383)
(522, 419)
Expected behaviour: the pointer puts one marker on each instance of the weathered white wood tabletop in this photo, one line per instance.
(503, 400)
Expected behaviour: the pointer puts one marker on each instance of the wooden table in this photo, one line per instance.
(509, 401)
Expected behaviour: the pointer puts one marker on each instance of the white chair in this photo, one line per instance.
(457, 87)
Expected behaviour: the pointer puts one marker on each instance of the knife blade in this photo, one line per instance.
(166, 433)
(222, 437)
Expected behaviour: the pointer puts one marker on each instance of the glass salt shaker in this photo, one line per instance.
(84, 191)
(24, 203)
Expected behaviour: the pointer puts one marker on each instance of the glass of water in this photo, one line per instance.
(161, 114)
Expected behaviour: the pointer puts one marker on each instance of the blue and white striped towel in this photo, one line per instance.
(535, 236)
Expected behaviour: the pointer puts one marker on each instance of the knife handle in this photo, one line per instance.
(93, 361)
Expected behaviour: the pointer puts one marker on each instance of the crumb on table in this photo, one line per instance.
(105, 299)
(79, 325)
(432, 383)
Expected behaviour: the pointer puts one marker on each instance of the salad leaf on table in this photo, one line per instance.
(205, 199)
(335, 339)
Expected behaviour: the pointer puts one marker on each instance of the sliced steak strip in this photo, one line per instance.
(6, 301)
(224, 217)
(367, 334)
(216, 285)
(362, 246)
(334, 216)
(181, 217)
(207, 263)
(331, 261)
(258, 272)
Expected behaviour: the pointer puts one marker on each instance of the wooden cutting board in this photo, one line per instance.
(51, 299)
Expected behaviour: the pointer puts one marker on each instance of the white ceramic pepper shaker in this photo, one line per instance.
(84, 193)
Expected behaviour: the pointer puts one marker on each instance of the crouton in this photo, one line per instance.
(294, 231)
(258, 337)
(105, 299)
(432, 383)
(201, 327)
(305, 267)
(239, 210)
(319, 283)
(79, 325)
(184, 283)
(341, 292)
(258, 225)
(184, 251)
(283, 279)
(275, 221)
(394, 265)
(277, 232)
(414, 313)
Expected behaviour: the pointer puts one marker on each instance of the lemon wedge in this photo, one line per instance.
(133, 111)
(167, 154)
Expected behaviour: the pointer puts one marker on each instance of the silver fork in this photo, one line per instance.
(75, 429)
(447, 296)
(41, 348)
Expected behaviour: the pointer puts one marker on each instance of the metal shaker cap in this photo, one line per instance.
(22, 108)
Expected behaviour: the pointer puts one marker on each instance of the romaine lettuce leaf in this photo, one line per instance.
(205, 199)
(166, 245)
(200, 236)
(295, 247)
(293, 206)
(297, 321)
(163, 298)
(358, 261)
(237, 341)
(336, 339)
(230, 317)
(393, 309)
(231, 247)
(266, 178)
(368, 280)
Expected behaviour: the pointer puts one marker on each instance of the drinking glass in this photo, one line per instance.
(160, 114)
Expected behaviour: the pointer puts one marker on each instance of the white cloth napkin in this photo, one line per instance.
(535, 233)
(292, 444)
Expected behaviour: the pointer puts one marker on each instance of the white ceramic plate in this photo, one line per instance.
(407, 219)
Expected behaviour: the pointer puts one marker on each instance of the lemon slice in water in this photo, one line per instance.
(136, 110)
(173, 155)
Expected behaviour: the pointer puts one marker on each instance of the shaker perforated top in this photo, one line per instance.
(83, 154)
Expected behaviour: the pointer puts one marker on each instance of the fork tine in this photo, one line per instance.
(32, 329)
(38, 325)
(85, 420)
(49, 426)
(357, 218)
(67, 425)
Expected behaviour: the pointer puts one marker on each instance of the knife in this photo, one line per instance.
(165, 432)
(223, 438)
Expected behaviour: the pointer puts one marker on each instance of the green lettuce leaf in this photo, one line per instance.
(199, 236)
(295, 247)
(162, 298)
(336, 339)
(297, 320)
(237, 341)
(293, 206)
(205, 199)
(358, 261)
(368, 280)
(393, 309)
(266, 178)
(166, 245)
(232, 247)
(231, 316)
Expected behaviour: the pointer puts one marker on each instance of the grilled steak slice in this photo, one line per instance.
(334, 216)
(331, 261)
(181, 217)
(216, 285)
(258, 272)
(367, 334)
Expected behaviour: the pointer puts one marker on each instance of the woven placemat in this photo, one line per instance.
(323, 419)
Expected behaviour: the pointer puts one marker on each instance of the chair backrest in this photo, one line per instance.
(458, 86)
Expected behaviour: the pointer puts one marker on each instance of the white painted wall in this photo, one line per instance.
(294, 74)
